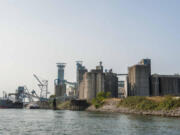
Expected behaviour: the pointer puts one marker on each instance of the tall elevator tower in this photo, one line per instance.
(61, 67)
(60, 86)
(81, 70)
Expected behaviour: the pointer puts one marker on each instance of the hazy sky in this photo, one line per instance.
(36, 34)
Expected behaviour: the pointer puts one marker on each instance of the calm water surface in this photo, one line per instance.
(47, 122)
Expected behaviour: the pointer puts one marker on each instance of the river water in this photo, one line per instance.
(48, 122)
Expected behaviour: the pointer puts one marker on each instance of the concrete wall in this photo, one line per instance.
(92, 83)
(142, 83)
(100, 83)
(111, 84)
(60, 90)
(126, 87)
(80, 73)
(154, 91)
(139, 80)
(165, 85)
(96, 81)
(70, 91)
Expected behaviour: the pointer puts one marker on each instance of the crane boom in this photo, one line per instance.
(38, 79)
(43, 85)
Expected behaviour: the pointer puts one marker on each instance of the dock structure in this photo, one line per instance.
(79, 105)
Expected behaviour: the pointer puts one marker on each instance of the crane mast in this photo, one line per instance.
(43, 85)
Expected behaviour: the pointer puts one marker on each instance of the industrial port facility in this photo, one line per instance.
(138, 82)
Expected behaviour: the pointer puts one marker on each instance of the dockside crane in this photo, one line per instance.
(43, 85)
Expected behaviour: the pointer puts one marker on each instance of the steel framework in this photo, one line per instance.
(43, 86)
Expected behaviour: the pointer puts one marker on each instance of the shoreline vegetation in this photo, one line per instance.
(160, 106)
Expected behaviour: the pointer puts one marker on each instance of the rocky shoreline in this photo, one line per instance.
(110, 106)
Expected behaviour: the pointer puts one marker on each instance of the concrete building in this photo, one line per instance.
(59, 83)
(81, 70)
(121, 89)
(70, 91)
(139, 78)
(111, 83)
(165, 85)
(60, 90)
(97, 81)
(142, 83)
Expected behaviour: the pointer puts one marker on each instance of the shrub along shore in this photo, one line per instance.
(161, 106)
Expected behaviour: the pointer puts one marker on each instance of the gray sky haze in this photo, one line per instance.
(36, 34)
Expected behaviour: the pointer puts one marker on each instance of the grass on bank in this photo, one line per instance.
(64, 105)
(100, 99)
(147, 103)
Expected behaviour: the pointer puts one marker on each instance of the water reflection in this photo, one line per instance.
(47, 122)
